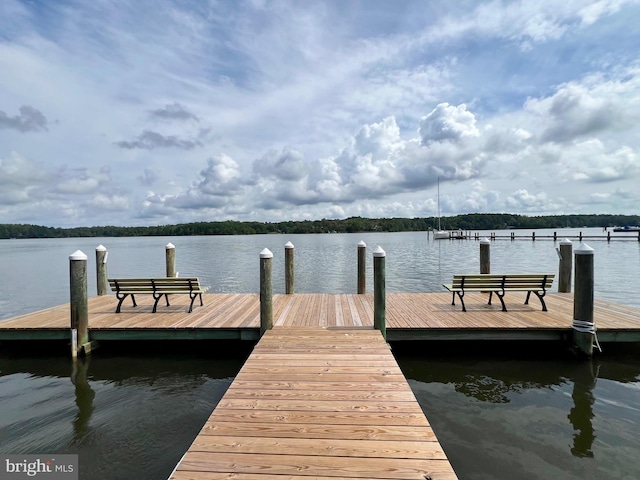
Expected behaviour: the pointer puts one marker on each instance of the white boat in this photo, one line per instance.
(440, 234)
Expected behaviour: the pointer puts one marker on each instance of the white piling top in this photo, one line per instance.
(266, 253)
(78, 255)
(101, 248)
(169, 246)
(362, 244)
(379, 252)
(566, 241)
(485, 241)
(583, 249)
(288, 245)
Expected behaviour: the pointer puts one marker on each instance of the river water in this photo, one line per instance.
(530, 412)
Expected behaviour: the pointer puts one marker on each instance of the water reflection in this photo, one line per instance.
(581, 415)
(84, 398)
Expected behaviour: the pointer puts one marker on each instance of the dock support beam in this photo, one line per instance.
(584, 330)
(288, 268)
(485, 255)
(101, 269)
(362, 267)
(266, 291)
(79, 307)
(379, 292)
(170, 250)
(566, 266)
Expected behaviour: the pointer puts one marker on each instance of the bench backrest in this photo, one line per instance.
(154, 284)
(492, 280)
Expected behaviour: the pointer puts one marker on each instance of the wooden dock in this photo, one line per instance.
(410, 316)
(317, 403)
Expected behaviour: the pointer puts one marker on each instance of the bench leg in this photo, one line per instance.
(541, 298)
(526, 302)
(501, 297)
(121, 297)
(460, 295)
(157, 298)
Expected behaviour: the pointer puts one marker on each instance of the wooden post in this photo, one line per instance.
(78, 301)
(583, 326)
(485, 255)
(101, 269)
(533, 236)
(566, 266)
(170, 250)
(379, 288)
(608, 236)
(266, 291)
(362, 267)
(288, 268)
(580, 236)
(555, 236)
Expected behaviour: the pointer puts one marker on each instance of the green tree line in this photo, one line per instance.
(474, 221)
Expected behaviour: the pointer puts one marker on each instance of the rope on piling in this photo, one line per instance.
(584, 326)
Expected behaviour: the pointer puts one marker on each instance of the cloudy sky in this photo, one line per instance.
(149, 112)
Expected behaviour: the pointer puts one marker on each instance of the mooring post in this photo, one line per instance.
(566, 265)
(101, 269)
(379, 300)
(266, 291)
(584, 328)
(362, 267)
(170, 251)
(79, 308)
(485, 255)
(288, 268)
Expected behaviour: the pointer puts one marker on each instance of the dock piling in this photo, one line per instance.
(170, 250)
(79, 306)
(485, 255)
(101, 269)
(266, 291)
(362, 267)
(584, 329)
(379, 291)
(566, 265)
(288, 268)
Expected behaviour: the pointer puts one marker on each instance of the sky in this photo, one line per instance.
(155, 112)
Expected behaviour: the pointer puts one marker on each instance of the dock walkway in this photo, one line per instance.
(321, 403)
(410, 316)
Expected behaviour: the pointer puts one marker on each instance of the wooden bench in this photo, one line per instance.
(158, 287)
(499, 284)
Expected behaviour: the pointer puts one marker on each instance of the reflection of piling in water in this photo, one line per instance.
(84, 398)
(581, 414)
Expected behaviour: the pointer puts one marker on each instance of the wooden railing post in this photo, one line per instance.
(566, 266)
(288, 268)
(485, 255)
(170, 250)
(379, 291)
(101, 269)
(362, 267)
(584, 329)
(266, 291)
(79, 309)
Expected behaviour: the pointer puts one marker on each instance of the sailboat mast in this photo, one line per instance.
(439, 204)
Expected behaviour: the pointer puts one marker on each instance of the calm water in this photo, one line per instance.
(534, 413)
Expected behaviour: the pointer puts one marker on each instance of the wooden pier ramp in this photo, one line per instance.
(321, 403)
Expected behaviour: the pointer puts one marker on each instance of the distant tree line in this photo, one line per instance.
(474, 221)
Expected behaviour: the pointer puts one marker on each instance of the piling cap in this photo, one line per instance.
(566, 241)
(266, 253)
(78, 255)
(583, 249)
(361, 243)
(485, 241)
(379, 252)
(288, 245)
(169, 246)
(101, 248)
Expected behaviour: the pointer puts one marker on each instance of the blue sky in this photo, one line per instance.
(155, 112)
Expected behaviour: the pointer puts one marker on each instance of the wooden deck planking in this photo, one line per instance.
(317, 412)
(421, 311)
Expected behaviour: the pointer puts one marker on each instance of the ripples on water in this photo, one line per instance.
(133, 416)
